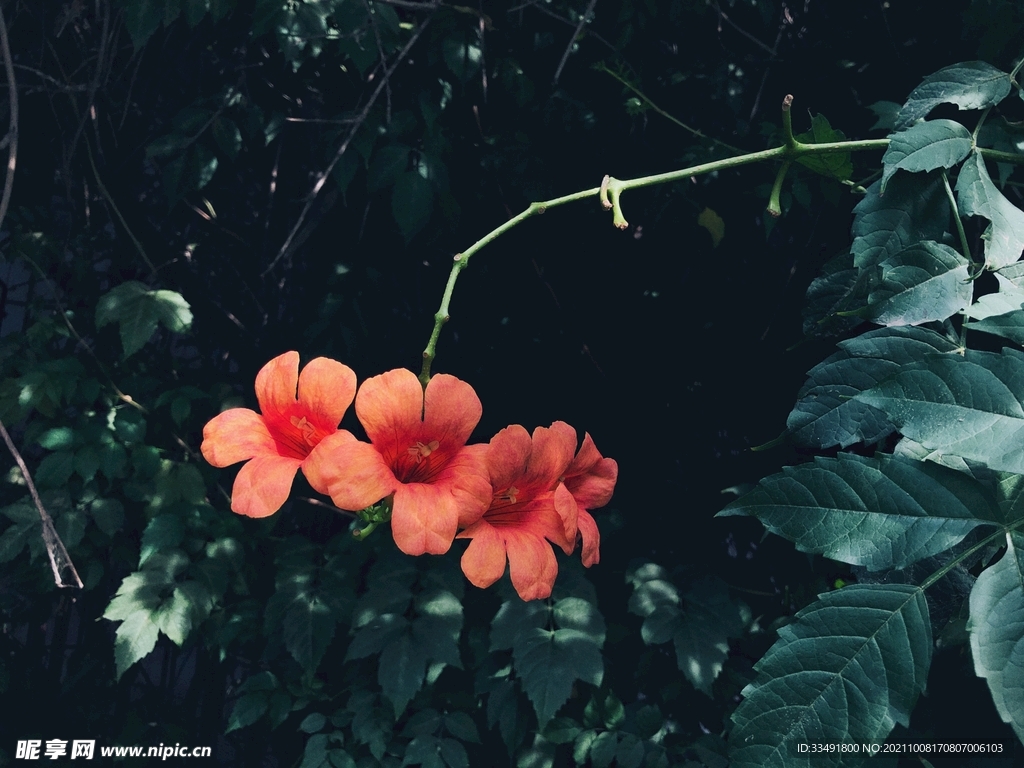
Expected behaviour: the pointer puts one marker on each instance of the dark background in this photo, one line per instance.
(677, 356)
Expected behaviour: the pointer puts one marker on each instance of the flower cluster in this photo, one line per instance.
(509, 497)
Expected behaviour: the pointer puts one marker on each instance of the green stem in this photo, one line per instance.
(968, 552)
(774, 203)
(977, 128)
(964, 248)
(787, 122)
(611, 189)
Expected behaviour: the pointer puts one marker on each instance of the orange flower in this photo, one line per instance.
(533, 502)
(284, 437)
(418, 452)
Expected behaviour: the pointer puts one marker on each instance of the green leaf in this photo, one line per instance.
(880, 513)
(996, 627)
(424, 750)
(454, 754)
(55, 470)
(885, 114)
(826, 414)
(138, 310)
(463, 58)
(969, 85)
(461, 726)
(135, 638)
(108, 515)
(978, 196)
(143, 17)
(249, 708)
(228, 136)
(927, 281)
(925, 147)
(835, 166)
(401, 670)
(913, 208)
(313, 723)
(602, 750)
(412, 203)
(847, 670)
(388, 164)
(699, 623)
(562, 730)
(972, 407)
(308, 630)
(630, 753)
(549, 661)
(839, 288)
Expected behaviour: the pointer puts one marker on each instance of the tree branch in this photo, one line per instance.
(12, 135)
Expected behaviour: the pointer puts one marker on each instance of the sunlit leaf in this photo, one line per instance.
(926, 147)
(996, 628)
(978, 196)
(846, 671)
(879, 513)
(969, 85)
(925, 282)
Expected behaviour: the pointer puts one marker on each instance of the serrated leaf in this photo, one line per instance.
(308, 630)
(135, 638)
(138, 311)
(836, 165)
(55, 469)
(562, 730)
(826, 414)
(515, 617)
(913, 208)
(927, 281)
(401, 669)
(313, 723)
(885, 115)
(978, 196)
(630, 752)
(964, 406)
(879, 512)
(969, 85)
(602, 750)
(699, 623)
(549, 661)
(847, 670)
(249, 708)
(143, 17)
(839, 288)
(926, 147)
(996, 628)
(461, 726)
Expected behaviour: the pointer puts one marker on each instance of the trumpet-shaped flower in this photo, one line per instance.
(417, 452)
(533, 503)
(285, 436)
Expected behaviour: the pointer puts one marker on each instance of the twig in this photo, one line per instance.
(572, 41)
(383, 56)
(60, 561)
(722, 15)
(12, 150)
(643, 97)
(95, 84)
(344, 146)
(590, 33)
(117, 212)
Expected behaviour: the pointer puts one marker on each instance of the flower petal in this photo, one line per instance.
(594, 489)
(351, 472)
(451, 410)
(465, 475)
(263, 485)
(326, 390)
(276, 384)
(390, 408)
(507, 455)
(568, 513)
(483, 562)
(425, 518)
(553, 449)
(591, 539)
(236, 435)
(532, 564)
